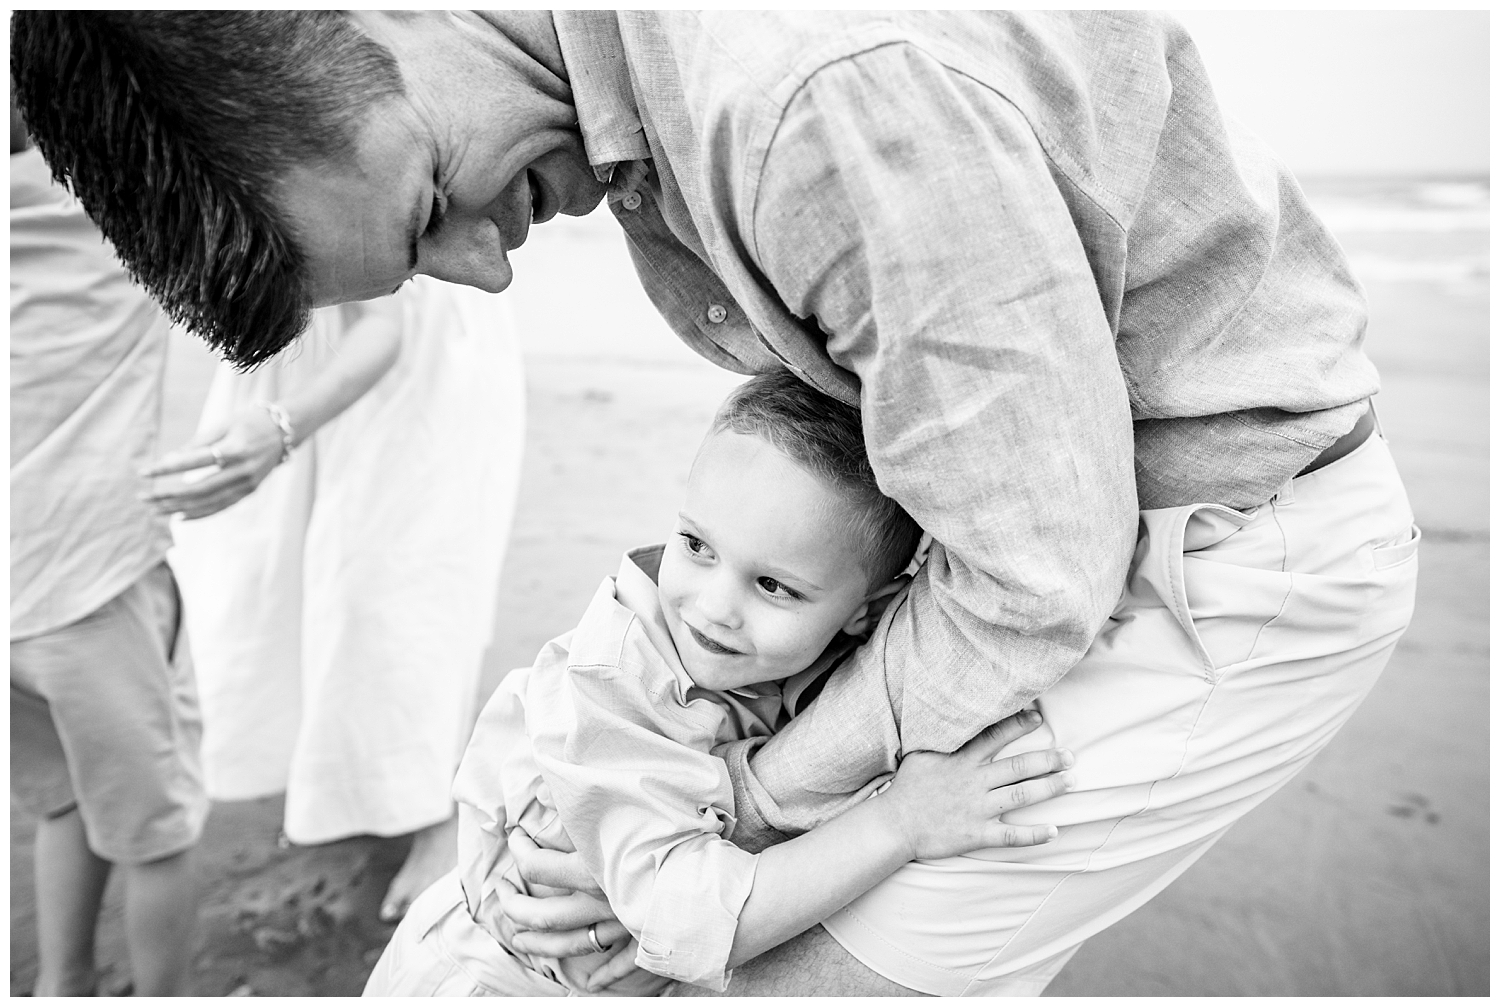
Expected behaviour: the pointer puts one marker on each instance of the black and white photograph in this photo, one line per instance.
(753, 503)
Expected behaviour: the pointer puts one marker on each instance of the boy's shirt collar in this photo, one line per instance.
(635, 589)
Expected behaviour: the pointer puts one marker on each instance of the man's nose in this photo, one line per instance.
(469, 252)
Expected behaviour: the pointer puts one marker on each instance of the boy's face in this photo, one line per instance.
(761, 573)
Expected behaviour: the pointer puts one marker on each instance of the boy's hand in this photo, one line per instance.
(945, 805)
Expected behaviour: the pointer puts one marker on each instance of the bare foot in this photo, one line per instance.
(434, 852)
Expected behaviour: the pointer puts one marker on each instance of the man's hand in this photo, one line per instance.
(557, 926)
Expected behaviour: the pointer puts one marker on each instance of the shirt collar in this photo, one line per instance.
(603, 97)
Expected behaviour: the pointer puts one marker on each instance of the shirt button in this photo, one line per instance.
(632, 201)
(716, 313)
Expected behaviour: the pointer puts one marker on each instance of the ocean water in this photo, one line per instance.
(1409, 230)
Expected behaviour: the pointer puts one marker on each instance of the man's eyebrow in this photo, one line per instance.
(413, 231)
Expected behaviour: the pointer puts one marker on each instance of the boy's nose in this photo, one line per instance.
(716, 603)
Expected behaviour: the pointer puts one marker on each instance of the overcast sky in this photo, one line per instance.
(1355, 92)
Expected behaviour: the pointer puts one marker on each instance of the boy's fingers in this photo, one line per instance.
(549, 867)
(1015, 768)
(1005, 834)
(989, 741)
(1029, 792)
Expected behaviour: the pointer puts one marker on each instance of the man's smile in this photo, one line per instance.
(543, 206)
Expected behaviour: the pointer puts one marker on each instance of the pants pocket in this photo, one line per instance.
(1395, 553)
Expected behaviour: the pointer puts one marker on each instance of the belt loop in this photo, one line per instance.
(1376, 417)
(1284, 495)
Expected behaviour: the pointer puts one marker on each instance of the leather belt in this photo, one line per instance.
(1345, 444)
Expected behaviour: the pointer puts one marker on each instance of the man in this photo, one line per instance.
(1099, 340)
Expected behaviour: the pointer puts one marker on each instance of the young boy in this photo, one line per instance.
(785, 554)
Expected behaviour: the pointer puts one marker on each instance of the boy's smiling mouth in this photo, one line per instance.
(709, 644)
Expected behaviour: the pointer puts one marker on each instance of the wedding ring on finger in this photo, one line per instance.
(594, 939)
(218, 456)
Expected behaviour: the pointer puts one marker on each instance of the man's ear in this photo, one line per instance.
(868, 614)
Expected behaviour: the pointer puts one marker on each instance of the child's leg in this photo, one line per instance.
(104, 714)
(69, 889)
(161, 922)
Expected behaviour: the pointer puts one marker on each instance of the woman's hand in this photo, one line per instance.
(946, 805)
(556, 926)
(245, 453)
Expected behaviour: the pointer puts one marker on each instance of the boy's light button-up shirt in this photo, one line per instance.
(604, 745)
(1060, 283)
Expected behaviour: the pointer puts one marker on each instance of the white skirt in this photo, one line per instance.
(338, 616)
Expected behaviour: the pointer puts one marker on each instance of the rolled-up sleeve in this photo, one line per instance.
(648, 808)
(912, 215)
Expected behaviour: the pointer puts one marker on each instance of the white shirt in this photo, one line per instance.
(87, 352)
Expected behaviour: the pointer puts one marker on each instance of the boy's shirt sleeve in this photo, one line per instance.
(627, 761)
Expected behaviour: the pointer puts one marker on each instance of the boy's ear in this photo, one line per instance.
(868, 614)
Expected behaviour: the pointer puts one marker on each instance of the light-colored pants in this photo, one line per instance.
(439, 951)
(1242, 643)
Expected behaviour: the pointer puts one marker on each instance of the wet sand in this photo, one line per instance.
(1367, 875)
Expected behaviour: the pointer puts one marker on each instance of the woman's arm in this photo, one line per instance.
(250, 445)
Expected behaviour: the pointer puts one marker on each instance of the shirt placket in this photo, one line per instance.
(695, 302)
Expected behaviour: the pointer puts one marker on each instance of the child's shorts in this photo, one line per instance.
(104, 717)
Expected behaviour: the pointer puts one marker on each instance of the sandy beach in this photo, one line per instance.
(1368, 875)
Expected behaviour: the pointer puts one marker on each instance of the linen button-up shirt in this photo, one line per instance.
(1058, 281)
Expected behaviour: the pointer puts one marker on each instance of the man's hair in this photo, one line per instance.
(174, 128)
(825, 436)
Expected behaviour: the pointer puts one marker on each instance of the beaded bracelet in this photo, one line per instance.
(283, 423)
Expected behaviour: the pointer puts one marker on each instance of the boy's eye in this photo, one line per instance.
(776, 588)
(695, 545)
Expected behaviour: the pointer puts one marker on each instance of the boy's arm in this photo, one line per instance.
(937, 806)
(698, 906)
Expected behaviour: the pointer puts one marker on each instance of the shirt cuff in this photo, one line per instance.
(751, 832)
(699, 891)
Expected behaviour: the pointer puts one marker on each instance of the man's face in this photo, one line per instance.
(446, 180)
(761, 572)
